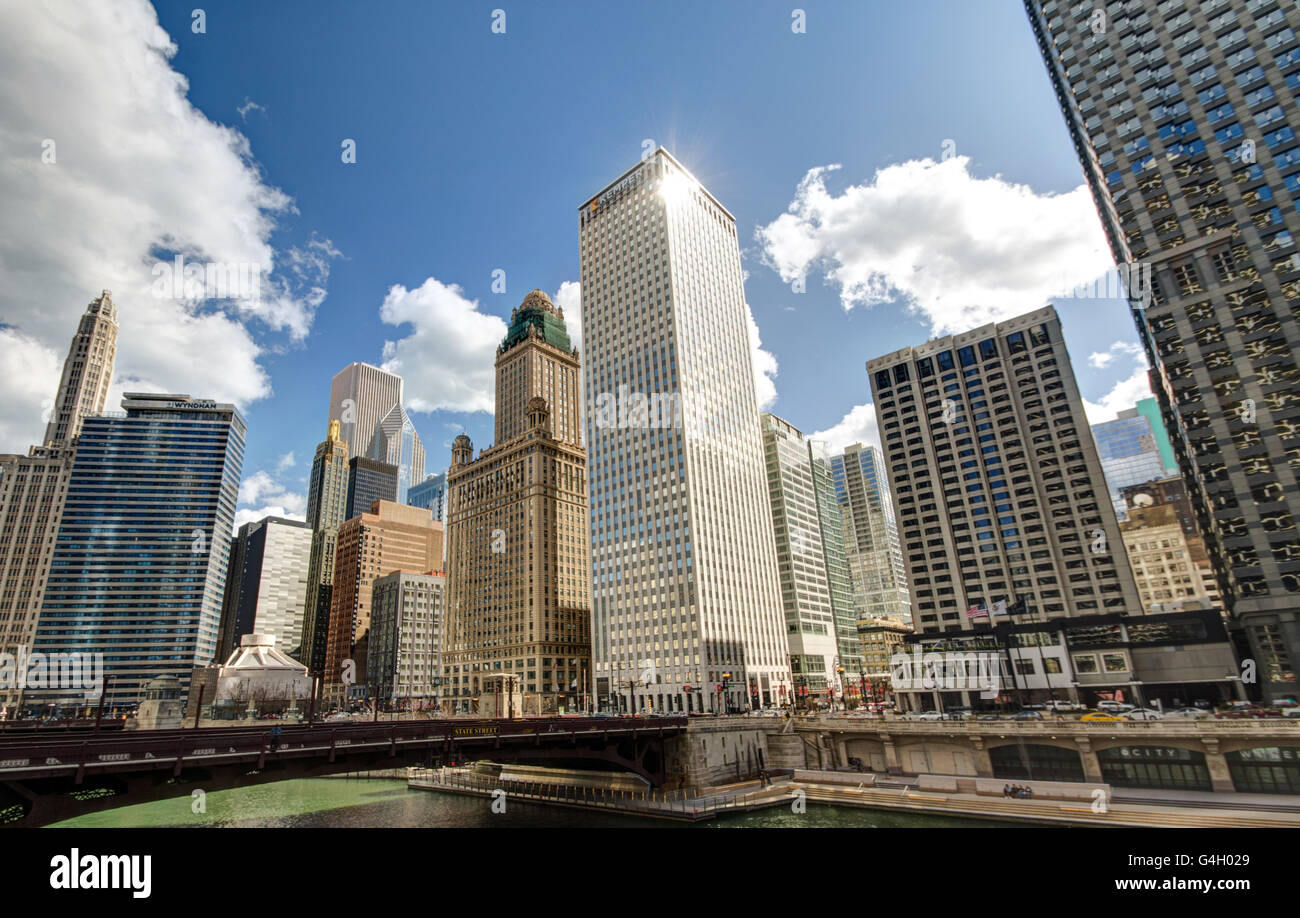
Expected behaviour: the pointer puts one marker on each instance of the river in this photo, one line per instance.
(355, 803)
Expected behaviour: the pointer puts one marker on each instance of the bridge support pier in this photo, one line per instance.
(1217, 764)
(1088, 756)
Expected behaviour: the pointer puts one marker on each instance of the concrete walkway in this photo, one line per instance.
(1170, 809)
(1176, 813)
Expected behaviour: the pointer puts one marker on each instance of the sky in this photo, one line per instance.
(896, 171)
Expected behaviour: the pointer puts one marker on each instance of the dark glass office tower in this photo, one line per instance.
(141, 558)
(1184, 117)
(369, 480)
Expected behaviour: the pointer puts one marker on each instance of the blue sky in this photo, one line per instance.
(473, 152)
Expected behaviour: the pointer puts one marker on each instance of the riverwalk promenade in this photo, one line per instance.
(1135, 808)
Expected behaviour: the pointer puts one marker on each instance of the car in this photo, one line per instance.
(1067, 707)
(1114, 707)
(1285, 703)
(924, 715)
(1144, 714)
(1027, 715)
(1292, 712)
(1100, 717)
(1187, 714)
(989, 717)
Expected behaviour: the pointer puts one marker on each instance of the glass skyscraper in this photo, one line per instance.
(141, 557)
(1129, 454)
(1183, 114)
(431, 494)
(871, 548)
(369, 480)
(396, 442)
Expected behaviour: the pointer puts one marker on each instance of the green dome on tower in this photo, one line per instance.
(540, 316)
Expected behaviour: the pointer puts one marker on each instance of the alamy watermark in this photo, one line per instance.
(950, 670)
(1129, 281)
(212, 280)
(66, 671)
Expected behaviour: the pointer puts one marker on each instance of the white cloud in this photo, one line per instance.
(249, 106)
(267, 497)
(446, 362)
(569, 299)
(138, 174)
(1123, 394)
(287, 461)
(252, 514)
(1102, 359)
(765, 365)
(858, 426)
(960, 250)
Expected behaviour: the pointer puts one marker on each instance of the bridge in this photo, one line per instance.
(51, 776)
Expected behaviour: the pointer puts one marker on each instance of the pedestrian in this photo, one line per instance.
(1006, 790)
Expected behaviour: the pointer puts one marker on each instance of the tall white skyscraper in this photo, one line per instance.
(686, 604)
(360, 397)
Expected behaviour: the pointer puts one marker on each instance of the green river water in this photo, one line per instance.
(388, 802)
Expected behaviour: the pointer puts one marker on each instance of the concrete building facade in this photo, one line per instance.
(814, 610)
(405, 653)
(390, 537)
(87, 371)
(517, 560)
(266, 584)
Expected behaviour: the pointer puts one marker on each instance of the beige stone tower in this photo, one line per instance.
(519, 616)
(87, 371)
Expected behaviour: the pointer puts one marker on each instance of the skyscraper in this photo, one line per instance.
(1012, 546)
(389, 538)
(396, 443)
(814, 578)
(360, 397)
(87, 371)
(33, 487)
(1149, 408)
(32, 491)
(369, 480)
(1129, 454)
(830, 521)
(997, 484)
(139, 567)
(518, 565)
(684, 578)
(266, 584)
(431, 494)
(1163, 566)
(1183, 116)
(406, 621)
(327, 498)
(871, 547)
